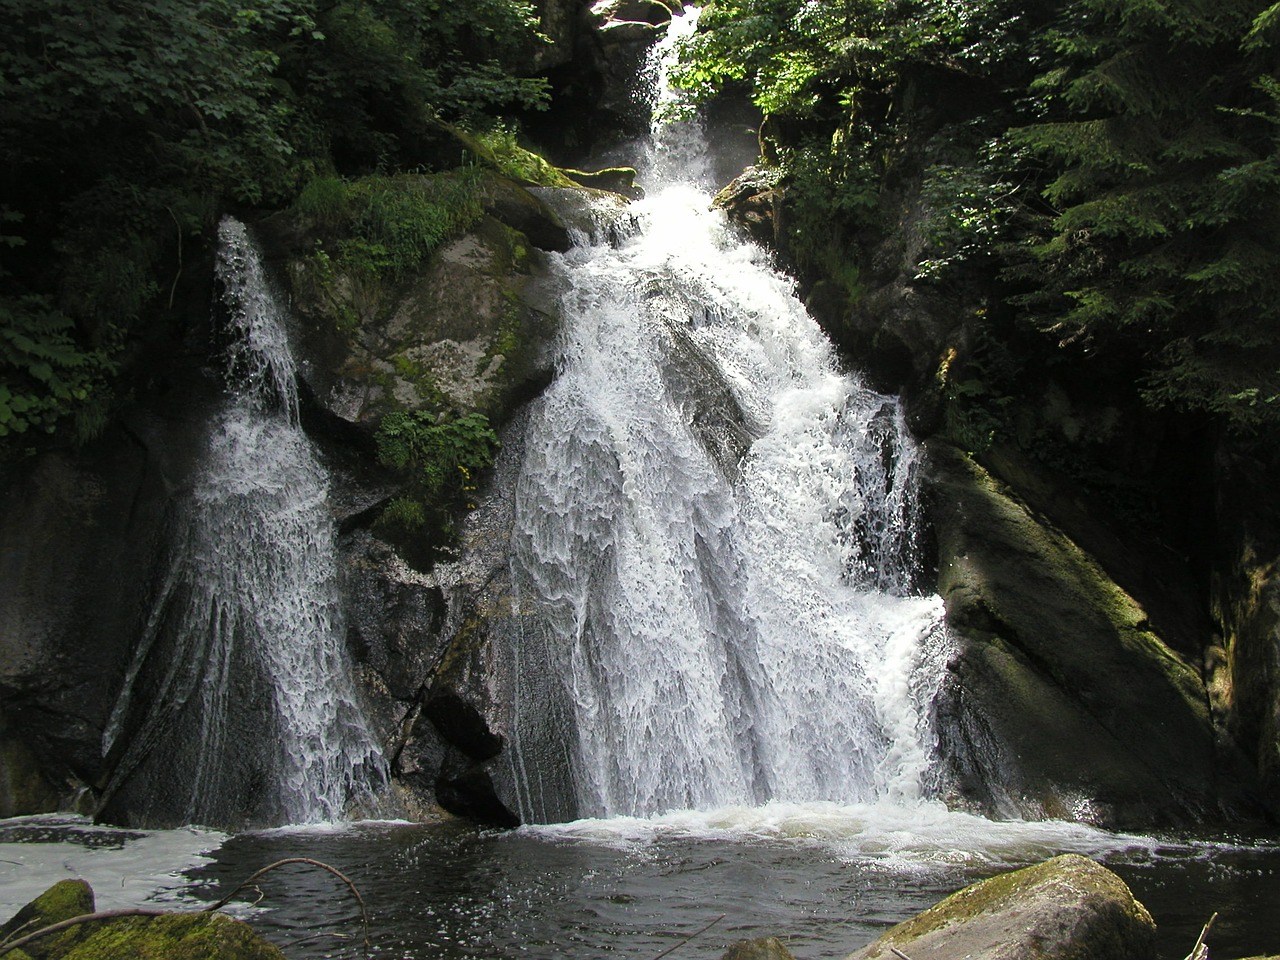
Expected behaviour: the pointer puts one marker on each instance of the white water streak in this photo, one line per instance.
(730, 635)
(253, 587)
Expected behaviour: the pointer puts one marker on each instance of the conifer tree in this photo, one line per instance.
(1161, 122)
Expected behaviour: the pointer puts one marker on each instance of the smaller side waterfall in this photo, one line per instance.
(239, 703)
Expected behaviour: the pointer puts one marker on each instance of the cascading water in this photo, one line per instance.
(248, 711)
(717, 526)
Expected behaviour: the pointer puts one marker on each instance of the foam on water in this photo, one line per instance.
(126, 868)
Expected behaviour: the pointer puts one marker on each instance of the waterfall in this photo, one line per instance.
(239, 703)
(717, 525)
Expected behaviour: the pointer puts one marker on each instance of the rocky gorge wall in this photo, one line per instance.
(1101, 674)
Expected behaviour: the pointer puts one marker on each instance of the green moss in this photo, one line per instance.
(424, 383)
(185, 936)
(499, 148)
(1085, 880)
(64, 900)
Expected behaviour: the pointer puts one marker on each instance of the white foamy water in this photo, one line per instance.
(899, 838)
(253, 715)
(718, 524)
(126, 868)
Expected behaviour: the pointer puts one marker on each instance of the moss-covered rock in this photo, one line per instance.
(64, 900)
(764, 948)
(170, 936)
(459, 333)
(1068, 908)
(177, 936)
(1061, 701)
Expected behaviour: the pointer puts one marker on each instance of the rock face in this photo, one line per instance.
(79, 536)
(82, 535)
(1062, 700)
(463, 743)
(1246, 603)
(1067, 908)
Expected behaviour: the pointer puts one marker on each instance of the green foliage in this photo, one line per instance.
(128, 126)
(404, 514)
(444, 457)
(1162, 133)
(44, 376)
(384, 226)
(967, 210)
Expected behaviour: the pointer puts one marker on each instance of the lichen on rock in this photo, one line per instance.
(1062, 701)
(1067, 908)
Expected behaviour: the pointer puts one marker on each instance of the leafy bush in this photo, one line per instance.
(444, 457)
(44, 376)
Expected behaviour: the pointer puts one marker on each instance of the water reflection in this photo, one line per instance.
(452, 891)
(826, 879)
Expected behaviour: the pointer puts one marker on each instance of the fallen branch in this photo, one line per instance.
(1201, 950)
(83, 918)
(691, 936)
(899, 954)
(61, 925)
(364, 913)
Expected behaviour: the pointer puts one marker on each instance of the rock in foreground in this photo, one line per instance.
(1067, 908)
(170, 936)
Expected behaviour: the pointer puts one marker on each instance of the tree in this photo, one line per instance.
(1161, 123)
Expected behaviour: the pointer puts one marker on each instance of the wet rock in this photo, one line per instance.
(24, 788)
(465, 743)
(79, 533)
(1061, 700)
(179, 936)
(1065, 908)
(522, 210)
(754, 201)
(764, 948)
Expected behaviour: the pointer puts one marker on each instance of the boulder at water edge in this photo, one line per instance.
(170, 936)
(1067, 908)
(765, 948)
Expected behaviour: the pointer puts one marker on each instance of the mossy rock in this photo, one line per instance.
(1067, 908)
(170, 936)
(176, 936)
(1061, 699)
(64, 900)
(764, 948)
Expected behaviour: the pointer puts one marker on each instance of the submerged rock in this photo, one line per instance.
(1065, 908)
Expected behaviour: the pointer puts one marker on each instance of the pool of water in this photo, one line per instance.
(826, 880)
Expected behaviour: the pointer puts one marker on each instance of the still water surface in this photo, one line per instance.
(825, 879)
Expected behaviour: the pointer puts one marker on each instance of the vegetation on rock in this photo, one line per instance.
(1108, 170)
(190, 108)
